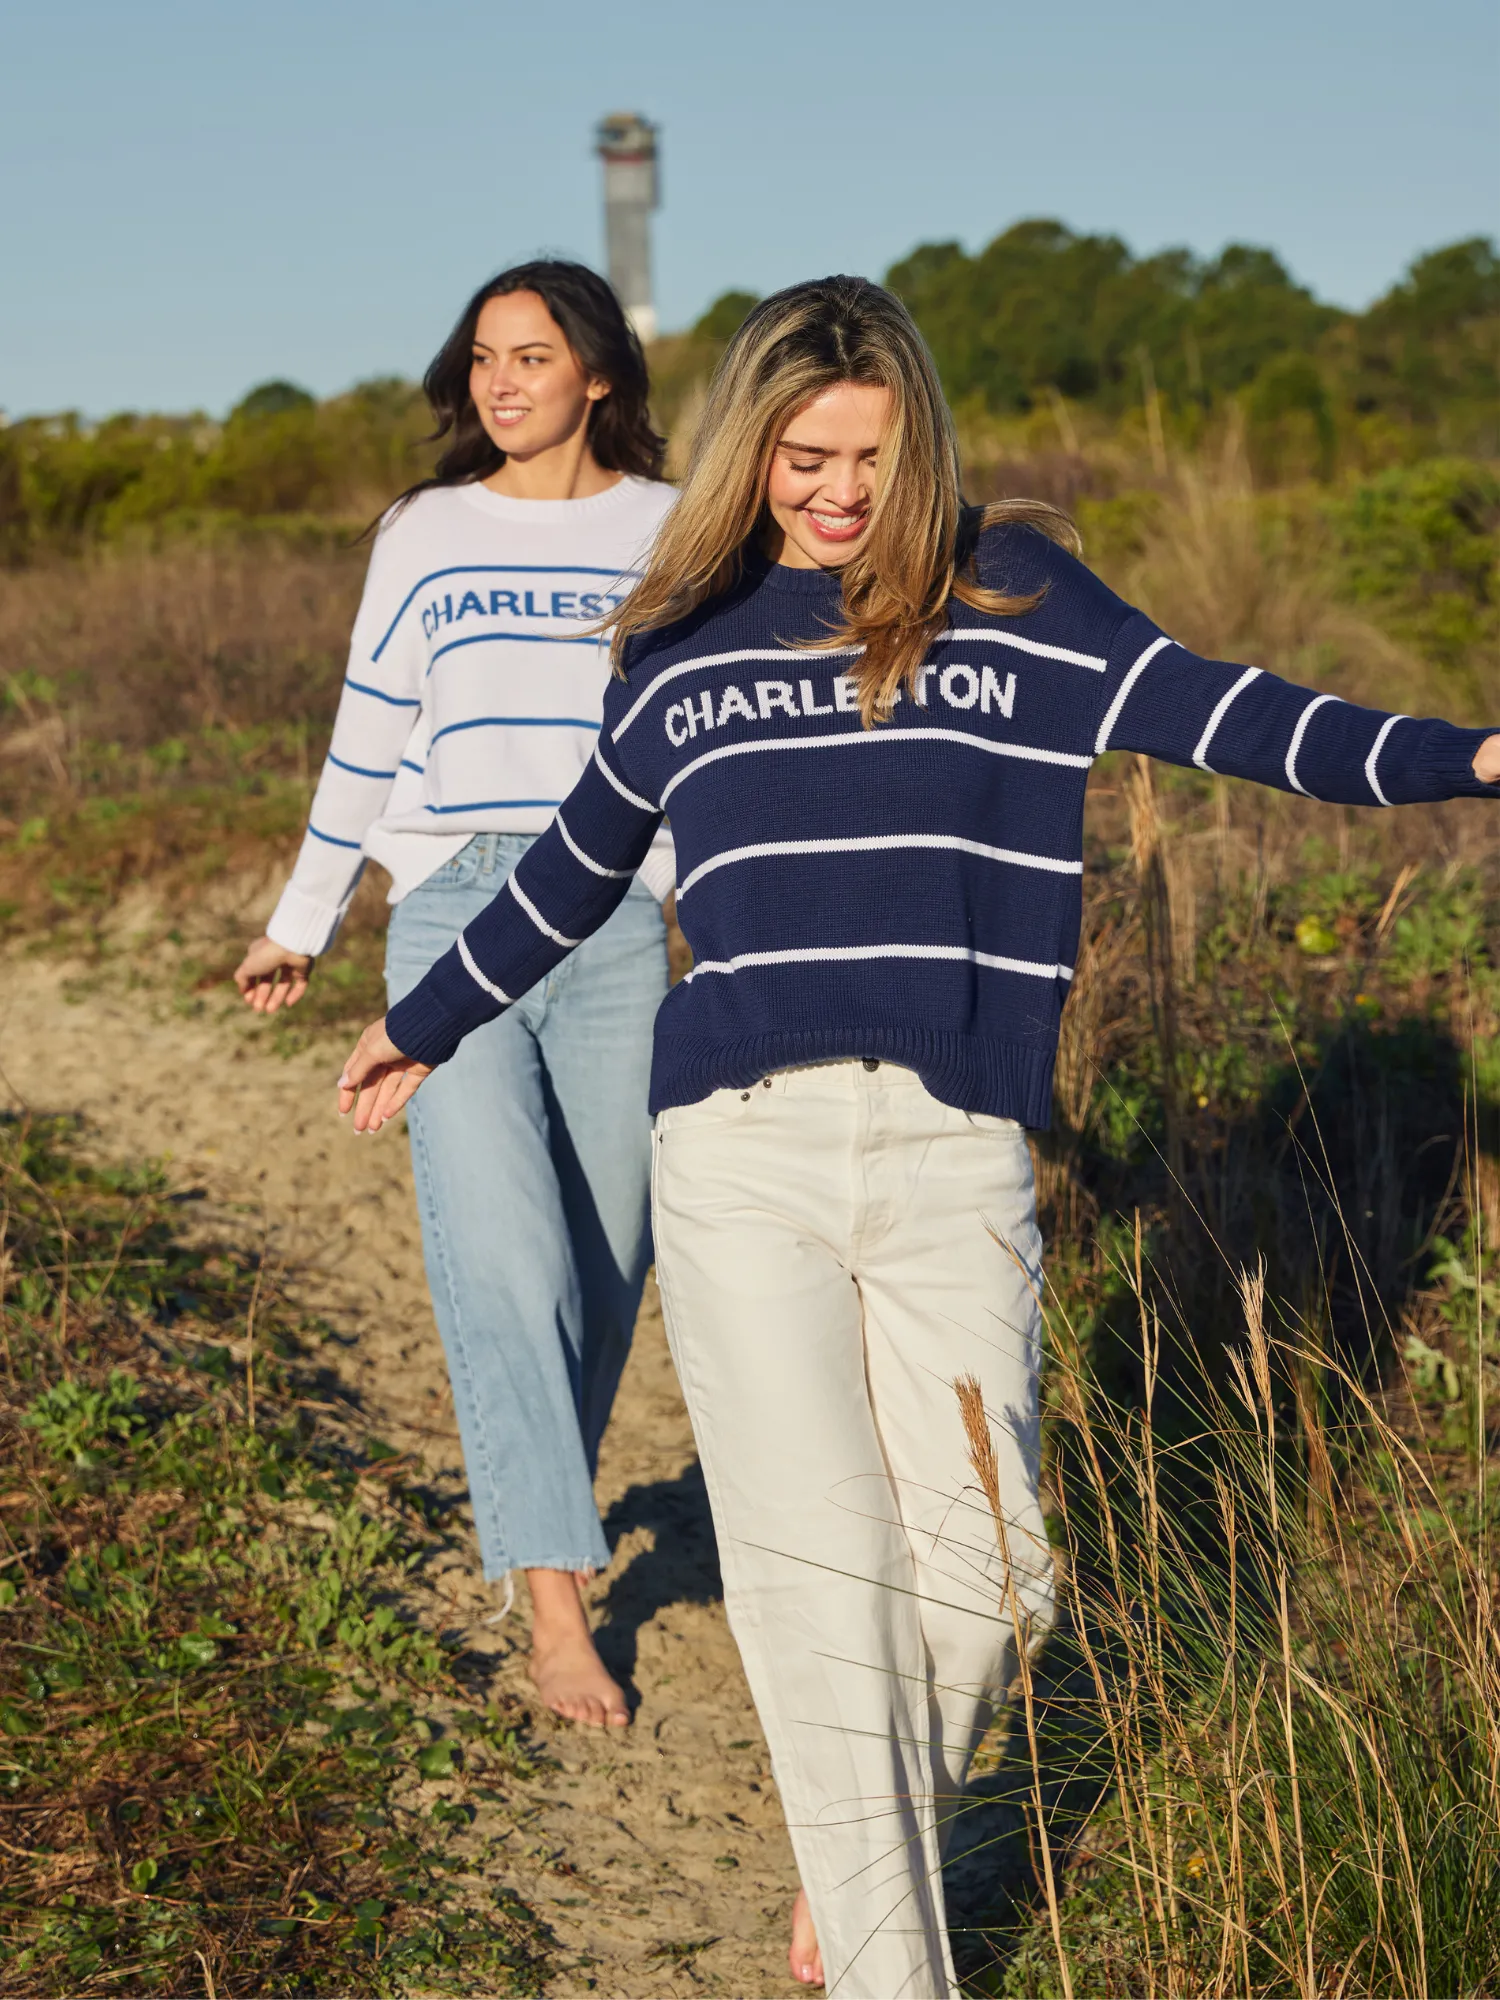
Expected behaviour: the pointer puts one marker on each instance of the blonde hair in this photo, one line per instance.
(896, 588)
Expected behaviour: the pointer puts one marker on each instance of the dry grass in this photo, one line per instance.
(163, 716)
(137, 648)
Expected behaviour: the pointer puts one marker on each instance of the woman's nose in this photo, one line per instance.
(846, 488)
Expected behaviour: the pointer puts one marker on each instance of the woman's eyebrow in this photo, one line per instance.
(819, 450)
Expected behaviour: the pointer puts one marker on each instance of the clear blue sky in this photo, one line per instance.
(199, 196)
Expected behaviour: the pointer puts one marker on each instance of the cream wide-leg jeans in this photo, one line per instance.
(834, 1247)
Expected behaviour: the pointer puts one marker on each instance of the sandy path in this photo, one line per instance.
(658, 1856)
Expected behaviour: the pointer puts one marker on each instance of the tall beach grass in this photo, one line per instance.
(1286, 1696)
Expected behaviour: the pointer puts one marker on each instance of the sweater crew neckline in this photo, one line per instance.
(824, 584)
(553, 513)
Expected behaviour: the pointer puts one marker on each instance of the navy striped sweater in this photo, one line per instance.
(913, 891)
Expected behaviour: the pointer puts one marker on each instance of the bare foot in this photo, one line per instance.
(567, 1671)
(804, 1957)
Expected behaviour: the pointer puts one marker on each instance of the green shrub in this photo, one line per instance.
(1420, 546)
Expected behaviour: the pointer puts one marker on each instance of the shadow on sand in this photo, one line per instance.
(680, 1567)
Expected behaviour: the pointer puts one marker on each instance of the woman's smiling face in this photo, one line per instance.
(822, 481)
(527, 385)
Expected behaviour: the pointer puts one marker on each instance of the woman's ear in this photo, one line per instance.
(597, 389)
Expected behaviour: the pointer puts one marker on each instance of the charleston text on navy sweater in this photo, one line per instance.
(911, 892)
(957, 685)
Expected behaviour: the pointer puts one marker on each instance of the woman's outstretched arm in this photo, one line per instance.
(1243, 722)
(561, 891)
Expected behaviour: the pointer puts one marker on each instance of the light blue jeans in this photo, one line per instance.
(531, 1151)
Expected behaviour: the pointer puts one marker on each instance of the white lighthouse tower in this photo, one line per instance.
(626, 143)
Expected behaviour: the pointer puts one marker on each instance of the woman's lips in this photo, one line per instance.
(505, 418)
(837, 527)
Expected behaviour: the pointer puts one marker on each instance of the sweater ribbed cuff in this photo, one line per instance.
(1446, 763)
(422, 1028)
(304, 923)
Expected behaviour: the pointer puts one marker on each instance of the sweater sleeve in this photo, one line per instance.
(378, 708)
(1242, 722)
(565, 886)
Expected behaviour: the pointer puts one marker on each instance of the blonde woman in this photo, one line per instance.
(871, 718)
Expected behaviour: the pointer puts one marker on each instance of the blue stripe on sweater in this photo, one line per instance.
(491, 805)
(395, 700)
(513, 638)
(518, 722)
(357, 770)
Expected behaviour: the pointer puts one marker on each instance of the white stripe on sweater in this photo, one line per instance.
(1090, 660)
(1296, 743)
(594, 867)
(874, 843)
(1375, 749)
(783, 653)
(477, 976)
(883, 734)
(630, 797)
(536, 916)
(846, 953)
(1200, 755)
(1122, 693)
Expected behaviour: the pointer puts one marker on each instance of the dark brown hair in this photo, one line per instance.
(603, 343)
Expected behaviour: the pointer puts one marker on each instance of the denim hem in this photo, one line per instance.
(589, 1563)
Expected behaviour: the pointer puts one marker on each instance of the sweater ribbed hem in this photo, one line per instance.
(970, 1072)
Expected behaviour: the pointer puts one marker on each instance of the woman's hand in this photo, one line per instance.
(378, 1080)
(269, 976)
(1487, 761)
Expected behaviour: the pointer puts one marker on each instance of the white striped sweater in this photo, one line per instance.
(473, 698)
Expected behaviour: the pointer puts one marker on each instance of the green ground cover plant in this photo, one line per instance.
(232, 1758)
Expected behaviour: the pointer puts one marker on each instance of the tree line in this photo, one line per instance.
(1041, 318)
(1043, 313)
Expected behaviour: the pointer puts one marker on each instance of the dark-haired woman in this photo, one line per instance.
(472, 704)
